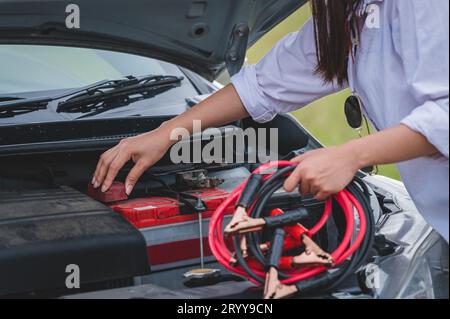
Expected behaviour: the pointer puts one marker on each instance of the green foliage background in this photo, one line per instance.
(324, 118)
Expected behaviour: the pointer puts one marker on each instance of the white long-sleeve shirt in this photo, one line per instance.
(401, 73)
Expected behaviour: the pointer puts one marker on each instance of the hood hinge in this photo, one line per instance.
(237, 48)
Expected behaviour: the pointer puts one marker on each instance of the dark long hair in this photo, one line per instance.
(332, 36)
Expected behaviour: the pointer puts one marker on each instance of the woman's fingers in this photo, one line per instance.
(314, 190)
(321, 196)
(103, 165)
(299, 158)
(133, 176)
(144, 150)
(305, 187)
(293, 181)
(323, 172)
(116, 165)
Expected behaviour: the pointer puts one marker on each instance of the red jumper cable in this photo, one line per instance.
(312, 262)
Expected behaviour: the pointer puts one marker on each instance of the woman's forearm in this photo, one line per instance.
(324, 172)
(145, 150)
(393, 145)
(221, 108)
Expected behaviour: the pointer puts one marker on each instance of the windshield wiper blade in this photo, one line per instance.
(11, 106)
(10, 98)
(81, 100)
(119, 93)
(19, 106)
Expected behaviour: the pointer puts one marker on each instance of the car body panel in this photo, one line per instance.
(204, 36)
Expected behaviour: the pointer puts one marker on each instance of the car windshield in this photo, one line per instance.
(35, 71)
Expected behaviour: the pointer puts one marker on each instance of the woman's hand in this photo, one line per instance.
(144, 150)
(223, 107)
(327, 171)
(323, 172)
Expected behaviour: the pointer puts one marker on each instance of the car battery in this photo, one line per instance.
(157, 210)
(171, 230)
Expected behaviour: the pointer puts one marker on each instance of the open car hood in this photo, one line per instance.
(202, 35)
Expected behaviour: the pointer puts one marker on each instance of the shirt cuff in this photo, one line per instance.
(432, 121)
(246, 85)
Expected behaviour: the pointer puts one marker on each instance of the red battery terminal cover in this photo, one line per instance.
(152, 208)
(114, 194)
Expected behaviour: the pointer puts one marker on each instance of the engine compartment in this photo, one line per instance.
(160, 216)
(168, 213)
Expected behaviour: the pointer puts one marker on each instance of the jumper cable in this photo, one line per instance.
(267, 263)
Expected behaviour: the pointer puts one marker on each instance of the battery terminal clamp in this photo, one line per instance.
(198, 179)
(246, 198)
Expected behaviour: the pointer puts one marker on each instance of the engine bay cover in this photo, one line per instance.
(43, 232)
